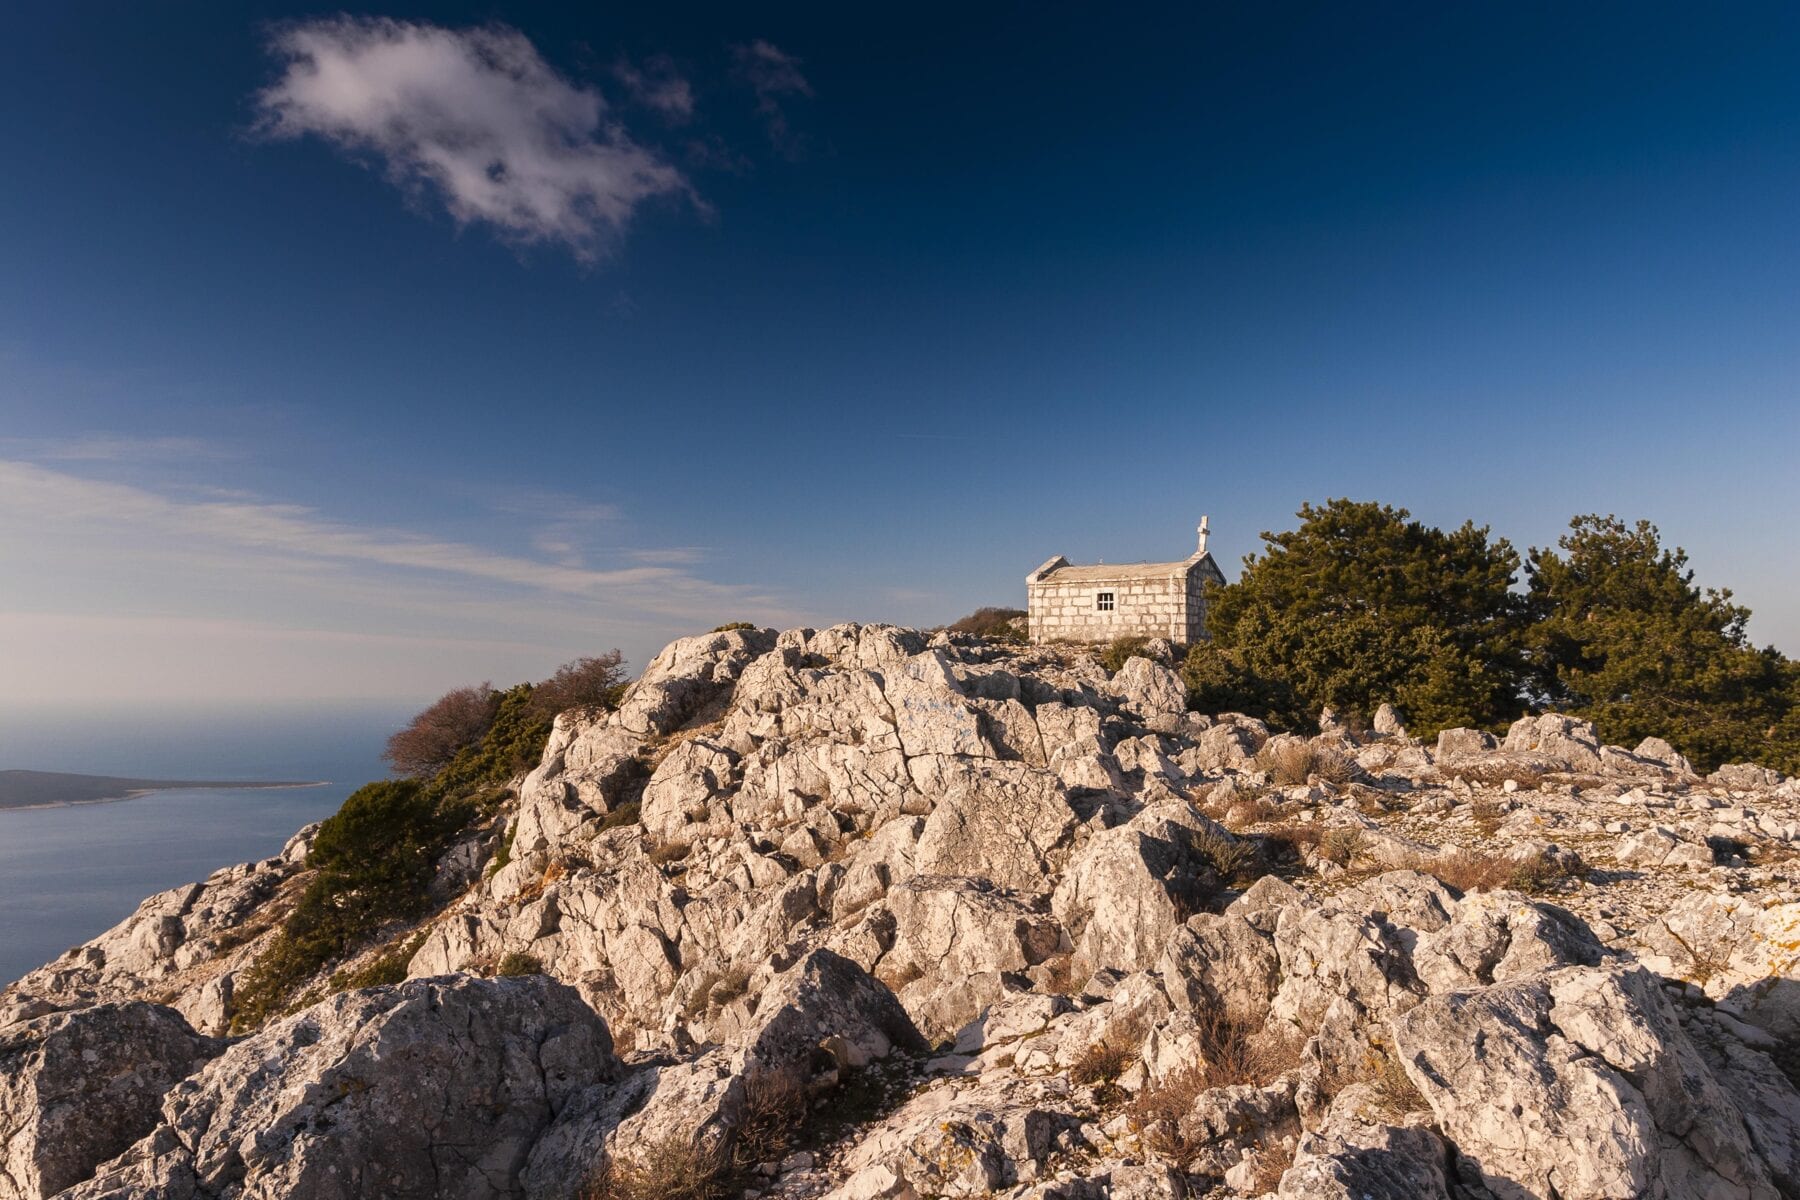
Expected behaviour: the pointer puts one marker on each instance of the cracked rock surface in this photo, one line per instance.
(919, 916)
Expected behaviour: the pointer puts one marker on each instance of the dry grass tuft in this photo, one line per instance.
(1291, 762)
(1231, 1053)
(1101, 1062)
(673, 1168)
(1341, 845)
(669, 852)
(1233, 860)
(1474, 871)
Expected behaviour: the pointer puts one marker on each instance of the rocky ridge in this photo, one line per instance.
(864, 913)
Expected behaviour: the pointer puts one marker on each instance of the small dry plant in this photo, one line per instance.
(672, 1168)
(669, 852)
(1101, 1063)
(1231, 1053)
(1341, 845)
(1233, 860)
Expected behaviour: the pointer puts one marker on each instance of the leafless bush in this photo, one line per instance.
(672, 1168)
(775, 1112)
(1487, 813)
(586, 683)
(1474, 871)
(1234, 860)
(454, 720)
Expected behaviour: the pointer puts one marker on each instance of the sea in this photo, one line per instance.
(71, 872)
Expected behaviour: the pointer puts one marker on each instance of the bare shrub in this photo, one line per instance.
(671, 1168)
(775, 1112)
(1290, 761)
(590, 683)
(1487, 813)
(669, 852)
(1474, 871)
(1287, 761)
(455, 720)
(1272, 1162)
(1468, 870)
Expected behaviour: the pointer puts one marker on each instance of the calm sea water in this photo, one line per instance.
(70, 873)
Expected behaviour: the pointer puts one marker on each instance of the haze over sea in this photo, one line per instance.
(71, 872)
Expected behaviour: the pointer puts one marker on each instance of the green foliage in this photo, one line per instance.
(512, 745)
(503, 855)
(1120, 649)
(734, 626)
(627, 813)
(1624, 638)
(994, 624)
(386, 968)
(372, 863)
(517, 963)
(1359, 606)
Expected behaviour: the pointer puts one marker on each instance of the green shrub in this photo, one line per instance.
(371, 863)
(386, 968)
(1121, 649)
(517, 963)
(734, 626)
(994, 624)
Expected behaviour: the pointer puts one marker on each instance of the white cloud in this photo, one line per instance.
(474, 115)
(659, 87)
(773, 74)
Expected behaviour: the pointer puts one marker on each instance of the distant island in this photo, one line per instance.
(39, 789)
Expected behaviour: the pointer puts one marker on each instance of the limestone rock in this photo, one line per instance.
(436, 1087)
(77, 1088)
(1578, 1083)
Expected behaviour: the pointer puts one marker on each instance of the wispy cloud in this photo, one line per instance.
(774, 75)
(247, 596)
(26, 487)
(115, 448)
(474, 116)
(657, 86)
(671, 555)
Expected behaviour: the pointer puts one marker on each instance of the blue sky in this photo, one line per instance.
(811, 313)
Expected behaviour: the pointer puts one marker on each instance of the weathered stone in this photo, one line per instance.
(78, 1088)
(327, 1103)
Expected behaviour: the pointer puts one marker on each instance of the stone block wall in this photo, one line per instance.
(1147, 607)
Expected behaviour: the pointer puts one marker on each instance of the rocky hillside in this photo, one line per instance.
(860, 913)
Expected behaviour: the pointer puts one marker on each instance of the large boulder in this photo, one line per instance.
(1579, 1083)
(1125, 892)
(79, 1087)
(434, 1087)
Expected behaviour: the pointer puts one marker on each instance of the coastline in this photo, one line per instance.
(140, 793)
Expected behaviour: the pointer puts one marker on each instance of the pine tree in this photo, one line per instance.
(1623, 637)
(1360, 606)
